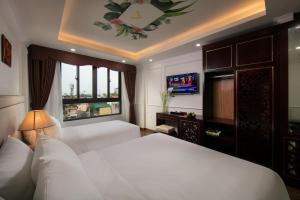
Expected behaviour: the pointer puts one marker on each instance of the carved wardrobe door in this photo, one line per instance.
(254, 110)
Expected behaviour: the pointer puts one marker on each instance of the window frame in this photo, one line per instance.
(94, 98)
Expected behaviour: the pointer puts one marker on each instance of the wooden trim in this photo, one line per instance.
(8, 101)
(42, 53)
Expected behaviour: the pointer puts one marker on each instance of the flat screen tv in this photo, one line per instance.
(183, 83)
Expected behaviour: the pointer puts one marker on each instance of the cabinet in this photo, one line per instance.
(188, 129)
(239, 96)
(254, 106)
(191, 130)
(219, 57)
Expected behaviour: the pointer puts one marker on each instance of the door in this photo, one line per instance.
(255, 117)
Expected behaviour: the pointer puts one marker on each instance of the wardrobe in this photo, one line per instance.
(252, 98)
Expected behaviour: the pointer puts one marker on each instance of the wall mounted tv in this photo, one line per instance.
(183, 83)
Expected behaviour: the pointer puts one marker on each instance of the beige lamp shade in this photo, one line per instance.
(36, 119)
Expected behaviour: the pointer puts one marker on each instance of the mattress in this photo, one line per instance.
(160, 167)
(98, 136)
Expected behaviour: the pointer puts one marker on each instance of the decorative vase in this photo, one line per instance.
(165, 108)
(165, 99)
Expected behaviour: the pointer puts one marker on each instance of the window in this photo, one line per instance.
(90, 91)
(69, 81)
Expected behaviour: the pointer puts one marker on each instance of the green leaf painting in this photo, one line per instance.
(115, 10)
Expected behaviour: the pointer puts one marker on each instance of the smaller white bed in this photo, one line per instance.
(98, 136)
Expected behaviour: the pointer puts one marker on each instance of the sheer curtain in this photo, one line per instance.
(54, 104)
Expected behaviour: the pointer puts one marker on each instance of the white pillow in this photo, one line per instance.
(15, 176)
(61, 175)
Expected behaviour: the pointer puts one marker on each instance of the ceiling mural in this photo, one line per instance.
(136, 18)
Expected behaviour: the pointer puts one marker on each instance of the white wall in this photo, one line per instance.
(11, 78)
(151, 80)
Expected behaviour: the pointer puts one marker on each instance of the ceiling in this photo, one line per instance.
(91, 28)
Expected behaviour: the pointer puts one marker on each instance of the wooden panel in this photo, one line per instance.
(256, 51)
(219, 58)
(255, 114)
(223, 98)
(292, 158)
(191, 130)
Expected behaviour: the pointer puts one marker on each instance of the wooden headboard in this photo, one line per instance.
(12, 112)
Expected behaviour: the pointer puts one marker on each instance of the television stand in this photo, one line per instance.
(189, 129)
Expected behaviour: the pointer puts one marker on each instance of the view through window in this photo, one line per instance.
(90, 91)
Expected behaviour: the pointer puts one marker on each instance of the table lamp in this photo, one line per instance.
(33, 124)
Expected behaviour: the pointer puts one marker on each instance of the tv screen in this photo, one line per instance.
(183, 83)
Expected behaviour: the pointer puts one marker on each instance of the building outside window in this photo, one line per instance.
(90, 91)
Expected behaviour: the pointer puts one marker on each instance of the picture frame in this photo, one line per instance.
(6, 51)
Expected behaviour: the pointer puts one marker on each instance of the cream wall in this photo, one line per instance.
(12, 81)
(151, 80)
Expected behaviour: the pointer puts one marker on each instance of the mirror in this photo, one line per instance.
(294, 79)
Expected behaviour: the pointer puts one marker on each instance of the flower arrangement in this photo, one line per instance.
(117, 9)
(165, 97)
(192, 115)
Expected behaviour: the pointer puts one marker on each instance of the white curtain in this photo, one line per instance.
(54, 104)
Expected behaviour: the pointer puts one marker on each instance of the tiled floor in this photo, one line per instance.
(294, 192)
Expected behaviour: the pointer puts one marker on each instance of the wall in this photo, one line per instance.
(11, 78)
(151, 80)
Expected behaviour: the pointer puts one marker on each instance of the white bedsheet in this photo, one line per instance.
(160, 167)
(99, 135)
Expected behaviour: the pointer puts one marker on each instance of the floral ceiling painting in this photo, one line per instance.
(136, 18)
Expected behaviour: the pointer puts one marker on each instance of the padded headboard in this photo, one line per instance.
(12, 112)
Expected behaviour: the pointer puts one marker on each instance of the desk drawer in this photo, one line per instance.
(166, 117)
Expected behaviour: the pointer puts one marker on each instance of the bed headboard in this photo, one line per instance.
(12, 112)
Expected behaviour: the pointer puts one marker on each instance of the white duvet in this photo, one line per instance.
(99, 135)
(160, 167)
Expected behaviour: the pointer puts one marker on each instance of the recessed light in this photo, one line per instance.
(150, 60)
(198, 45)
(298, 48)
(123, 61)
(73, 50)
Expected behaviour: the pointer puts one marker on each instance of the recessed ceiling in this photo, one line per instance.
(56, 24)
(102, 25)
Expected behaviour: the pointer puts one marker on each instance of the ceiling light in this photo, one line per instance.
(123, 61)
(150, 60)
(298, 27)
(73, 50)
(298, 48)
(198, 45)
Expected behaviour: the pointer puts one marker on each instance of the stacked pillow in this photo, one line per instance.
(15, 176)
(58, 173)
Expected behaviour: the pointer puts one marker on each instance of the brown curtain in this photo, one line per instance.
(41, 74)
(130, 86)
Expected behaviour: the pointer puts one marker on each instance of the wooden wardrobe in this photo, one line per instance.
(240, 96)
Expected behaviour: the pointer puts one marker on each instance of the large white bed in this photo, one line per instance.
(160, 167)
(155, 167)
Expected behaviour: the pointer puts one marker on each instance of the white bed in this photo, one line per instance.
(97, 136)
(160, 167)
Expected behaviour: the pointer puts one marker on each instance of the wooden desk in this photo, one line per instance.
(189, 129)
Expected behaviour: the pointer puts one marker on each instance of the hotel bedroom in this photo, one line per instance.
(149, 99)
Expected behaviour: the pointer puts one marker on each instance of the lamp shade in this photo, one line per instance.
(36, 119)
